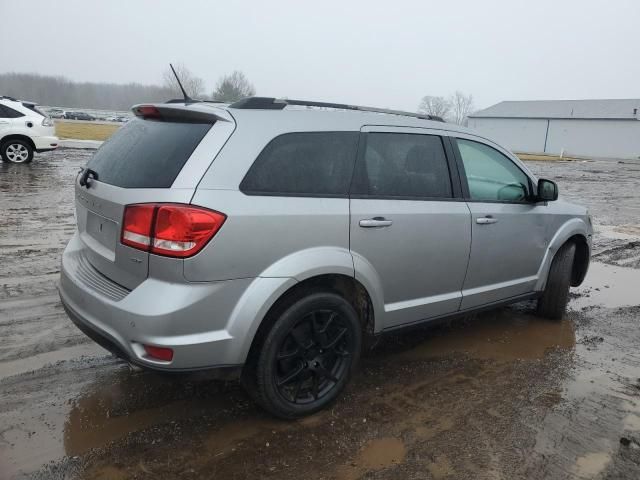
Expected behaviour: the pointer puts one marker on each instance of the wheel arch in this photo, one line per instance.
(17, 136)
(576, 231)
(581, 259)
(344, 285)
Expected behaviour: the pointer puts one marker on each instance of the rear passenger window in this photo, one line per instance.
(404, 165)
(8, 112)
(310, 163)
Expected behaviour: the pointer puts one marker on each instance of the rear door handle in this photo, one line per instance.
(486, 220)
(375, 222)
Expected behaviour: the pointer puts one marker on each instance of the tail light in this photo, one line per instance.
(169, 229)
(47, 122)
(147, 111)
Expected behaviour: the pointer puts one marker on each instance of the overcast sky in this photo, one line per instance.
(386, 53)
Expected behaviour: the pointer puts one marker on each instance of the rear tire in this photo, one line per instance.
(553, 302)
(16, 151)
(307, 357)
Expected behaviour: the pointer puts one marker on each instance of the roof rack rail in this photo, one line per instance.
(7, 97)
(270, 103)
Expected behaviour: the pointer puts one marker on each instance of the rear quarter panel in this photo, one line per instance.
(272, 237)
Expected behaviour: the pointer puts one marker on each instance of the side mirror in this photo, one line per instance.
(547, 190)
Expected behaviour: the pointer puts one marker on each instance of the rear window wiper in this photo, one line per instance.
(86, 177)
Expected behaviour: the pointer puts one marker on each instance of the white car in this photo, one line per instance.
(24, 129)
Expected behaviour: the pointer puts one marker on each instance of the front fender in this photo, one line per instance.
(574, 226)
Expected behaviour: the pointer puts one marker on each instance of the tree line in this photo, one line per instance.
(59, 91)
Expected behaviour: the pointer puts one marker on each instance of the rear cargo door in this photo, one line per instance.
(149, 160)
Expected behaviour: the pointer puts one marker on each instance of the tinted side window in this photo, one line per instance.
(404, 165)
(491, 175)
(309, 163)
(7, 112)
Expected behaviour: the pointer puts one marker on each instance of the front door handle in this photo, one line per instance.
(375, 222)
(486, 220)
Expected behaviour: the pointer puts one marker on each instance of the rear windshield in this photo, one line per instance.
(34, 108)
(147, 153)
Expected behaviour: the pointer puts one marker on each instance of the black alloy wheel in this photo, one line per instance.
(307, 357)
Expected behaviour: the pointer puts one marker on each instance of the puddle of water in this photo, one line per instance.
(591, 464)
(499, 335)
(632, 422)
(230, 436)
(91, 415)
(609, 286)
(110, 473)
(130, 403)
(620, 232)
(376, 455)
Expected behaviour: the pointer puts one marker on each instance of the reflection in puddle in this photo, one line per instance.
(376, 455)
(609, 286)
(130, 403)
(505, 334)
(591, 464)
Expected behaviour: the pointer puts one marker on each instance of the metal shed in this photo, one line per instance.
(594, 128)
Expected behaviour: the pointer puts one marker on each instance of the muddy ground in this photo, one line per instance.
(500, 395)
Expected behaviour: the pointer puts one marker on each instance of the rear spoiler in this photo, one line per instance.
(175, 113)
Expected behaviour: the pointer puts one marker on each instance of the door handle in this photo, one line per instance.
(375, 222)
(486, 220)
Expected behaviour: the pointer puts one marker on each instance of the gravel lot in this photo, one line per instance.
(497, 395)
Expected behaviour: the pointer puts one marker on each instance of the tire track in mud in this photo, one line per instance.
(38, 219)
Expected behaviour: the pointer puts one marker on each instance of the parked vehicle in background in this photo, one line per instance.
(311, 230)
(24, 129)
(56, 113)
(78, 116)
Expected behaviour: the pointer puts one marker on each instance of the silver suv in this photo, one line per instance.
(269, 238)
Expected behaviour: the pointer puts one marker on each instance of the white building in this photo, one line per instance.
(594, 128)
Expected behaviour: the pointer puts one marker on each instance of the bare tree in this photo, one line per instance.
(438, 106)
(192, 84)
(462, 106)
(231, 88)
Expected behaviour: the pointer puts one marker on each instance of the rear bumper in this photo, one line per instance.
(45, 143)
(190, 318)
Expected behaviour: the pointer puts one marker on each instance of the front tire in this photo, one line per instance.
(16, 151)
(553, 302)
(307, 357)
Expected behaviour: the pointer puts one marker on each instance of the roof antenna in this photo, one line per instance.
(187, 98)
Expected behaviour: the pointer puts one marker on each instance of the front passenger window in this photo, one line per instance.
(491, 175)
